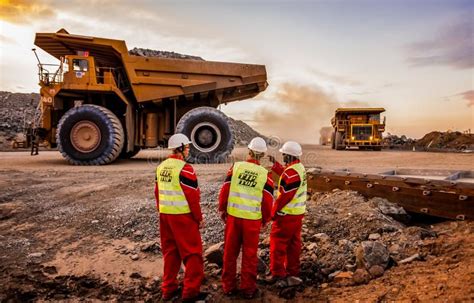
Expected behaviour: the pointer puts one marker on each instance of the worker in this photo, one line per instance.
(245, 202)
(177, 197)
(287, 215)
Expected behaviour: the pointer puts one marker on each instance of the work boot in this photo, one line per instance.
(201, 297)
(293, 281)
(270, 280)
(250, 296)
(231, 293)
(175, 295)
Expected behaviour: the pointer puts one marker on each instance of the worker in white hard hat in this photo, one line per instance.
(287, 215)
(177, 197)
(245, 205)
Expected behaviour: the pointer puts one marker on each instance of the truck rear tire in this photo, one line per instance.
(333, 140)
(128, 155)
(211, 133)
(90, 135)
(338, 142)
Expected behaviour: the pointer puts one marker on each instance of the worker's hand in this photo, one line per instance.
(272, 159)
(202, 224)
(224, 216)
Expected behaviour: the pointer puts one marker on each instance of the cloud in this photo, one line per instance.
(25, 11)
(342, 80)
(7, 40)
(468, 96)
(298, 112)
(453, 45)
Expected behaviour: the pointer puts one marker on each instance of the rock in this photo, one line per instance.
(321, 237)
(134, 257)
(410, 259)
(311, 246)
(392, 210)
(94, 221)
(324, 285)
(138, 233)
(351, 267)
(361, 276)
(374, 237)
(215, 254)
(293, 281)
(135, 275)
(35, 255)
(334, 274)
(394, 249)
(344, 278)
(151, 246)
(376, 271)
(370, 253)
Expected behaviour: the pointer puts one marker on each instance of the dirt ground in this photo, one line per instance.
(91, 232)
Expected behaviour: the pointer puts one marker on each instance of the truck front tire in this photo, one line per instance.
(338, 141)
(90, 135)
(211, 133)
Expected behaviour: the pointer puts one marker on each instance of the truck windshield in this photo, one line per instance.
(80, 65)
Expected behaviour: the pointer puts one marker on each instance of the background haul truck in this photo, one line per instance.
(360, 127)
(102, 103)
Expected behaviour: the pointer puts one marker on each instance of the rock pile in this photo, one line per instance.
(446, 141)
(396, 142)
(15, 109)
(145, 52)
(243, 132)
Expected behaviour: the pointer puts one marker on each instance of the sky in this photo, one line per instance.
(414, 58)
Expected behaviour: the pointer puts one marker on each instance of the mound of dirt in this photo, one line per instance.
(446, 140)
(243, 132)
(145, 52)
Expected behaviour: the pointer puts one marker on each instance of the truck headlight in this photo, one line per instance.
(353, 138)
(370, 138)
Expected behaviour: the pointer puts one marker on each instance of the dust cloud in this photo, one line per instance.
(298, 113)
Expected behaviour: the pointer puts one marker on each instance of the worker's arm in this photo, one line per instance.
(278, 168)
(290, 182)
(224, 194)
(189, 184)
(267, 200)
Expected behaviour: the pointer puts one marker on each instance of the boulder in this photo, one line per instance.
(370, 253)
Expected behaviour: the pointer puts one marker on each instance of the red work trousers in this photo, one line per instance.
(181, 242)
(240, 233)
(285, 245)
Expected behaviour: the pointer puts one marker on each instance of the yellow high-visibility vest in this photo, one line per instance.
(171, 196)
(246, 190)
(297, 206)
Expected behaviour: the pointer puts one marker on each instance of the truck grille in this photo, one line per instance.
(361, 132)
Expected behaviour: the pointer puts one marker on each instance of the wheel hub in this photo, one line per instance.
(206, 136)
(85, 136)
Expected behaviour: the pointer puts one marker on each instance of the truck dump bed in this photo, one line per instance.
(153, 79)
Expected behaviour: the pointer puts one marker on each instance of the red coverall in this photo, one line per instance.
(181, 239)
(242, 233)
(285, 236)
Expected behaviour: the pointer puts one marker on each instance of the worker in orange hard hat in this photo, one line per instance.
(287, 215)
(177, 197)
(245, 205)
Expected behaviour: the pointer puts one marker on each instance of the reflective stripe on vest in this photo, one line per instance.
(297, 206)
(171, 196)
(246, 190)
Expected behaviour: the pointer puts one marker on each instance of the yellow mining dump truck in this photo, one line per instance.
(359, 127)
(100, 103)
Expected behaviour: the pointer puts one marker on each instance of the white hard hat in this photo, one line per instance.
(291, 148)
(258, 145)
(178, 140)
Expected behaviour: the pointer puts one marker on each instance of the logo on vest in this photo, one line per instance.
(165, 175)
(248, 178)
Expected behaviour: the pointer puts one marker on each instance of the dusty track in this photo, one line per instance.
(72, 231)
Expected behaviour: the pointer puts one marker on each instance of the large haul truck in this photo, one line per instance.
(101, 103)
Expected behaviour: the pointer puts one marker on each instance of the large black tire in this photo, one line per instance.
(211, 133)
(128, 155)
(338, 142)
(106, 130)
(333, 140)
